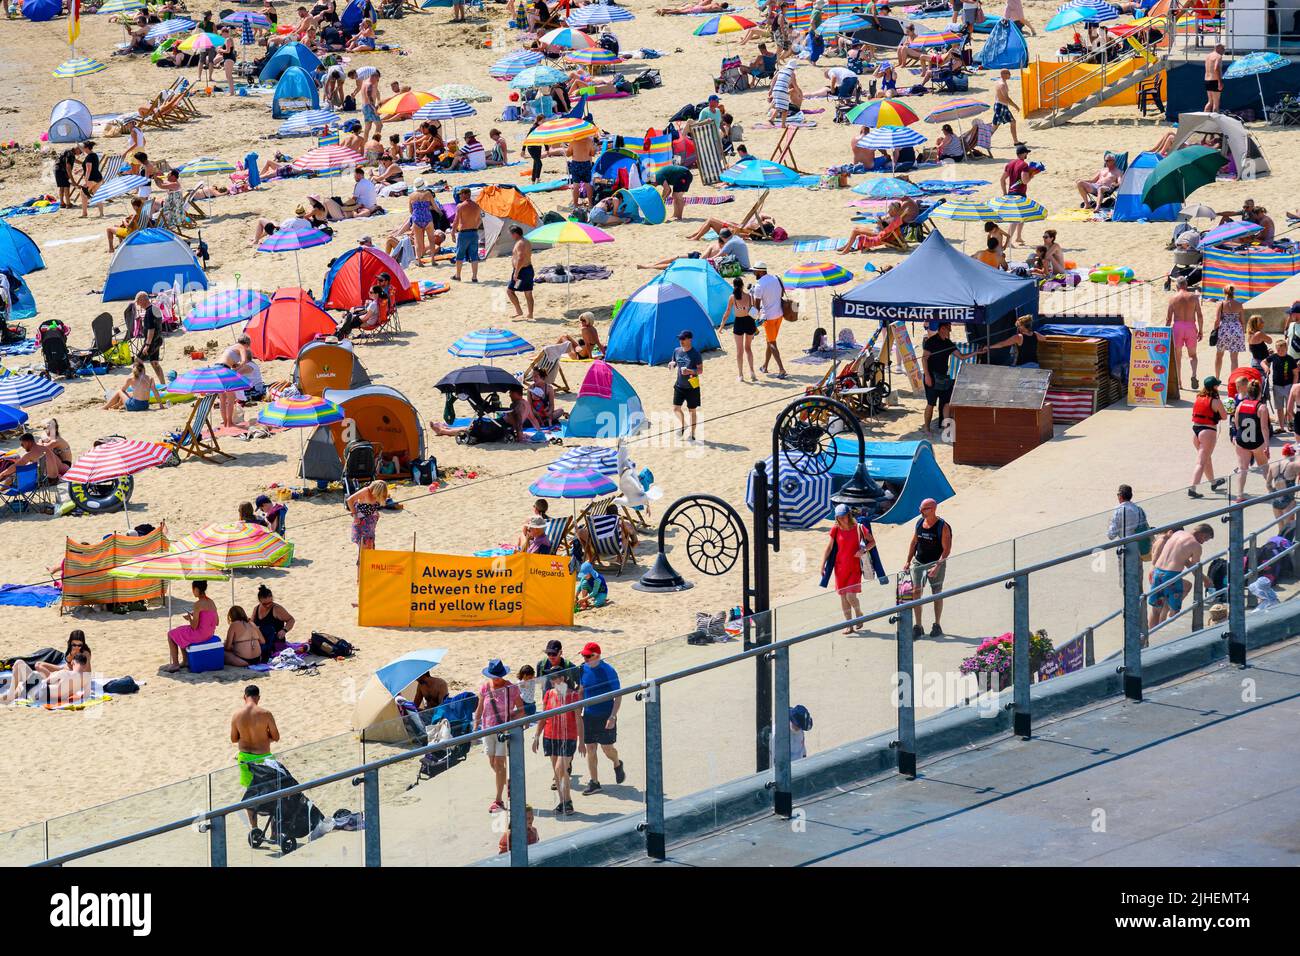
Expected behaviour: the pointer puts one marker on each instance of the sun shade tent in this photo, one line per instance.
(291, 321)
(503, 207)
(152, 260)
(1241, 145)
(328, 365)
(376, 414)
(85, 577)
(938, 283)
(646, 327)
(294, 91)
(348, 281)
(642, 204)
(18, 251)
(1128, 198)
(1005, 49)
(907, 468)
(607, 406)
(702, 281)
(290, 54)
(70, 122)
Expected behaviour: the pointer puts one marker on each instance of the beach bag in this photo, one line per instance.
(648, 80)
(729, 267)
(956, 83)
(789, 310)
(349, 104)
(121, 685)
(1144, 546)
(688, 112)
(326, 645)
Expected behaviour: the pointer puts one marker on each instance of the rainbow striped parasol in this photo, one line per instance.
(567, 39)
(725, 23)
(202, 41)
(404, 105)
(236, 544)
(257, 21)
(169, 566)
(489, 343)
(816, 275)
(216, 310)
(115, 459)
(211, 380)
(562, 129)
(926, 40)
(573, 233)
(293, 239)
(882, 113)
(573, 483)
(303, 411)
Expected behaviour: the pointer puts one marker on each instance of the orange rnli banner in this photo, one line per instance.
(414, 589)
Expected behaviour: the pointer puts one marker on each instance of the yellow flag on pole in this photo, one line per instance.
(74, 20)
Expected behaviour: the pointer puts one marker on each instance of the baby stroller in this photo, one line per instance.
(360, 465)
(289, 819)
(452, 718)
(54, 349)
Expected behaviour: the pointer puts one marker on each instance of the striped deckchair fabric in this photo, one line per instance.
(85, 570)
(965, 355)
(327, 139)
(1248, 272)
(112, 167)
(708, 151)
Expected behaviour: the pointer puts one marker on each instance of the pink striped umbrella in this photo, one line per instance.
(325, 158)
(115, 459)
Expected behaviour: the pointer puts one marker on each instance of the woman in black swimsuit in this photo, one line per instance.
(63, 176)
(91, 177)
(272, 620)
(740, 307)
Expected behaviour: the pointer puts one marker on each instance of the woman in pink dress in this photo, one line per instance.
(201, 627)
(848, 542)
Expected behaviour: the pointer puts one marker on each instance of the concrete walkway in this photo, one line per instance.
(1204, 772)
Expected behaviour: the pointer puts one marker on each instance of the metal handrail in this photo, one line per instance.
(368, 771)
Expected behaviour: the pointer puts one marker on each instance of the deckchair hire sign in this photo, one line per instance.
(891, 312)
(413, 589)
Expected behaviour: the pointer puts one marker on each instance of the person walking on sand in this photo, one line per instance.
(1172, 556)
(687, 365)
(769, 290)
(365, 505)
(1207, 412)
(521, 272)
(1003, 104)
(599, 721)
(252, 730)
(1214, 79)
(1014, 181)
(740, 310)
(1188, 324)
(374, 123)
(499, 702)
(467, 224)
(930, 547)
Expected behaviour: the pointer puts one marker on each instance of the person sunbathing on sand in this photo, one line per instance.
(689, 8)
(873, 229)
(69, 686)
(760, 226)
(134, 393)
(588, 340)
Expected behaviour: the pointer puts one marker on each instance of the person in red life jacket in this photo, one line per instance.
(1207, 412)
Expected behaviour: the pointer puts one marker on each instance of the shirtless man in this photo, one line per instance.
(1184, 316)
(1173, 556)
(1003, 104)
(467, 224)
(69, 686)
(1214, 79)
(253, 730)
(430, 691)
(521, 272)
(369, 102)
(353, 140)
(581, 152)
(33, 451)
(906, 54)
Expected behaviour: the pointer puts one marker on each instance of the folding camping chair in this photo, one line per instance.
(920, 227)
(190, 441)
(548, 360)
(30, 490)
(784, 152)
(388, 325)
(173, 216)
(730, 79)
(764, 73)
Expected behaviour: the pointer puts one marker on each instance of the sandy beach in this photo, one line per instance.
(177, 726)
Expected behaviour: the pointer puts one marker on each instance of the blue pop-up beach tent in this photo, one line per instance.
(291, 54)
(908, 466)
(294, 91)
(1005, 49)
(18, 251)
(38, 11)
(647, 325)
(607, 406)
(1128, 198)
(22, 304)
(701, 280)
(151, 260)
(354, 13)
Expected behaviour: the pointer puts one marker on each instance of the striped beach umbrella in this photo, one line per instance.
(540, 75)
(489, 344)
(11, 417)
(24, 391)
(403, 105)
(327, 158)
(302, 411)
(759, 174)
(925, 41)
(237, 544)
(882, 113)
(169, 28)
(816, 275)
(725, 23)
(562, 129)
(461, 91)
(1082, 11)
(957, 109)
(448, 109)
(891, 137)
(169, 566)
(1017, 209)
(202, 41)
(603, 460)
(78, 66)
(117, 186)
(206, 166)
(514, 63)
(115, 459)
(595, 14)
(843, 23)
(567, 39)
(209, 380)
(805, 499)
(121, 6)
(573, 233)
(1227, 232)
(308, 121)
(1256, 64)
(964, 210)
(887, 187)
(216, 310)
(573, 483)
(248, 18)
(294, 239)
(597, 57)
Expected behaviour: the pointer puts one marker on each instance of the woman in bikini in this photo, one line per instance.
(58, 454)
(243, 640)
(588, 341)
(740, 309)
(76, 645)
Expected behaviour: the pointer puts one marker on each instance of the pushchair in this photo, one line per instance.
(288, 819)
(54, 350)
(360, 465)
(454, 717)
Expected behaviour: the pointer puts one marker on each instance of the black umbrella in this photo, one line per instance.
(481, 378)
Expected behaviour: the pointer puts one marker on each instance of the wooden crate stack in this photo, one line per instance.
(1081, 379)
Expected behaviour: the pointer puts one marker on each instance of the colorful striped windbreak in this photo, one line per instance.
(85, 570)
(1249, 273)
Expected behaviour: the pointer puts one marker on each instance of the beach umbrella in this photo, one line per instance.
(115, 459)
(568, 233)
(403, 105)
(597, 57)
(1228, 231)
(1256, 64)
(249, 17)
(843, 23)
(514, 63)
(819, 275)
(597, 15)
(117, 186)
(887, 187)
(573, 483)
(489, 344)
(216, 310)
(594, 457)
(562, 129)
(202, 41)
(11, 417)
(78, 66)
(925, 41)
(1196, 210)
(1179, 175)
(964, 211)
(206, 166)
(169, 566)
(300, 411)
(170, 27)
(209, 380)
(759, 174)
(958, 109)
(398, 674)
(327, 159)
(540, 75)
(445, 110)
(484, 378)
(121, 6)
(882, 113)
(237, 544)
(1015, 208)
(308, 121)
(805, 499)
(567, 39)
(295, 239)
(1082, 11)
(24, 391)
(725, 23)
(461, 91)
(891, 137)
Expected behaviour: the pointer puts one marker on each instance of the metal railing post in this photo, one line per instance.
(1236, 588)
(370, 802)
(1089, 648)
(906, 742)
(518, 788)
(217, 841)
(1134, 621)
(655, 834)
(1021, 719)
(1198, 597)
(782, 794)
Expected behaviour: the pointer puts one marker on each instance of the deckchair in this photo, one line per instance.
(548, 360)
(190, 442)
(784, 152)
(745, 229)
(983, 143)
(891, 235)
(558, 532)
(708, 150)
(192, 208)
(613, 547)
(152, 115)
(173, 216)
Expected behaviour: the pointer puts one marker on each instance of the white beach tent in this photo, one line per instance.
(70, 122)
(1241, 146)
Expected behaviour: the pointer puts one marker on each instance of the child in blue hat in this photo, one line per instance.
(593, 591)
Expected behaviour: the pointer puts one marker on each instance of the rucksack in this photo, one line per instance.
(326, 645)
(648, 80)
(688, 112)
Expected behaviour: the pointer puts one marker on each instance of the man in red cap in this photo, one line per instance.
(600, 720)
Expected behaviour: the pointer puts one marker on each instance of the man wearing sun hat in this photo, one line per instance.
(599, 721)
(499, 702)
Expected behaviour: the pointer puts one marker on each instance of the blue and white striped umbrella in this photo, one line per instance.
(843, 23)
(887, 187)
(489, 343)
(536, 76)
(513, 64)
(603, 460)
(306, 122)
(891, 137)
(169, 27)
(117, 186)
(1082, 11)
(805, 499)
(598, 14)
(444, 110)
(20, 391)
(573, 483)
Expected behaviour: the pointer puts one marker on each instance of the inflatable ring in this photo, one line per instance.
(1103, 274)
(102, 498)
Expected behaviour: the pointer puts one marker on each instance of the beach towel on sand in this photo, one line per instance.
(80, 705)
(819, 245)
(28, 595)
(708, 200)
(545, 186)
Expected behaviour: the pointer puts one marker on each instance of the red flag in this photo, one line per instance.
(74, 20)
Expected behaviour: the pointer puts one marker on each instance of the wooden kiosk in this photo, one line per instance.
(999, 413)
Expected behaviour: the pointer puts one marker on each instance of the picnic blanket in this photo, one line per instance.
(573, 273)
(708, 200)
(819, 245)
(791, 123)
(28, 595)
(25, 347)
(29, 207)
(81, 705)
